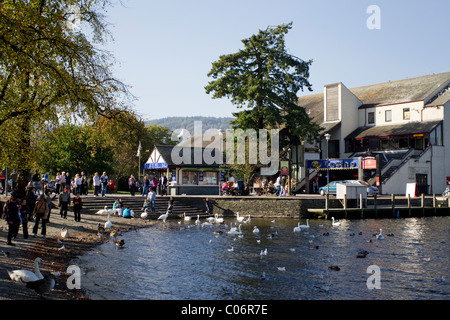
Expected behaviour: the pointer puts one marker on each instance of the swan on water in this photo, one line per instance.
(248, 219)
(198, 220)
(380, 235)
(211, 219)
(235, 231)
(217, 219)
(335, 224)
(239, 218)
(298, 229)
(263, 252)
(186, 218)
(255, 229)
(26, 275)
(305, 226)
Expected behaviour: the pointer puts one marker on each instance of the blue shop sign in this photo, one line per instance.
(159, 165)
(333, 164)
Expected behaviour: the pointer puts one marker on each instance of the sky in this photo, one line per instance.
(164, 49)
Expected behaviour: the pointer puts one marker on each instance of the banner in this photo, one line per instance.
(333, 164)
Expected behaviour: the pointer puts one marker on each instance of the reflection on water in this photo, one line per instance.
(184, 261)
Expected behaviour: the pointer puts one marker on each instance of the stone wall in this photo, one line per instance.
(259, 206)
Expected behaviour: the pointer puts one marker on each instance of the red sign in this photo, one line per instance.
(369, 163)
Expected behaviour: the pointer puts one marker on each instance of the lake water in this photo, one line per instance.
(184, 261)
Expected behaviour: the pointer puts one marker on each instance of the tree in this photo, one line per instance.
(265, 79)
(52, 73)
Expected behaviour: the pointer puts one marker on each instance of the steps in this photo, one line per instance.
(92, 204)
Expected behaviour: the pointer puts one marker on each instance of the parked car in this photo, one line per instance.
(332, 187)
(370, 189)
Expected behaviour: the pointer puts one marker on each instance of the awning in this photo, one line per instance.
(409, 128)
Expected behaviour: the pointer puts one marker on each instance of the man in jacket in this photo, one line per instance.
(12, 219)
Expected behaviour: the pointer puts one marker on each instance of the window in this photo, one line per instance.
(371, 117)
(406, 114)
(190, 177)
(388, 116)
(210, 178)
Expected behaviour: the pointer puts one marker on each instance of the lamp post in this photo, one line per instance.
(327, 137)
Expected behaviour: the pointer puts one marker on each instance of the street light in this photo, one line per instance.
(327, 137)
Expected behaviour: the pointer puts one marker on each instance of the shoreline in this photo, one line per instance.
(83, 237)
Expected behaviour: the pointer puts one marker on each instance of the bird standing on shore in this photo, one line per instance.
(65, 232)
(44, 285)
(26, 275)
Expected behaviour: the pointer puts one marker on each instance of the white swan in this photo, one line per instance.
(255, 229)
(305, 226)
(103, 211)
(197, 222)
(217, 219)
(335, 224)
(144, 214)
(211, 219)
(235, 231)
(163, 217)
(108, 224)
(380, 235)
(186, 218)
(239, 218)
(298, 229)
(26, 275)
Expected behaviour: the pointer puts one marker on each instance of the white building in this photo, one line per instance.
(405, 122)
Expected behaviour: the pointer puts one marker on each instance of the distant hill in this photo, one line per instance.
(188, 123)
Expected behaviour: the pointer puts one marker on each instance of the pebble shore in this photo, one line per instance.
(83, 236)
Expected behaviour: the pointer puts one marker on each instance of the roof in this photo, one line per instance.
(414, 89)
(166, 154)
(394, 130)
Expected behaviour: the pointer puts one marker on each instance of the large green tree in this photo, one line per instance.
(264, 80)
(52, 72)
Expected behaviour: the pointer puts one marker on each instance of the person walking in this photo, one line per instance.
(12, 219)
(104, 181)
(24, 212)
(77, 206)
(132, 184)
(40, 212)
(64, 202)
(96, 182)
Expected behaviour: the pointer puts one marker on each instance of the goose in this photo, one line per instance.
(144, 214)
(44, 285)
(255, 229)
(380, 235)
(163, 217)
(186, 218)
(65, 232)
(26, 275)
(197, 222)
(305, 226)
(103, 211)
(298, 228)
(335, 224)
(239, 218)
(108, 224)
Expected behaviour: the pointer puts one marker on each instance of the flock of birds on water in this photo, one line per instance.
(43, 284)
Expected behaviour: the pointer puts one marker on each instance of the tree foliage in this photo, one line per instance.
(52, 73)
(264, 79)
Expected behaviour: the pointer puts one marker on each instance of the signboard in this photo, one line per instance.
(369, 163)
(412, 190)
(159, 165)
(284, 165)
(333, 164)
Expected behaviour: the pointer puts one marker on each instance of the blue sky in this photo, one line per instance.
(164, 49)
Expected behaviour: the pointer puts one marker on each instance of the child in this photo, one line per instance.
(77, 206)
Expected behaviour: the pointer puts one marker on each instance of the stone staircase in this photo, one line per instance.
(92, 204)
